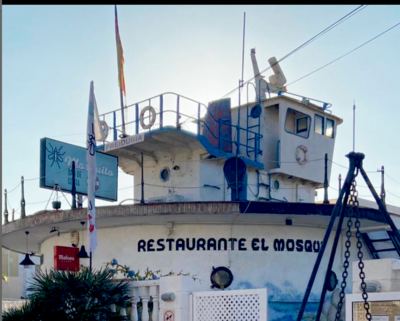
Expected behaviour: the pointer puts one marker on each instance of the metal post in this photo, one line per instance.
(23, 215)
(90, 261)
(238, 126)
(198, 120)
(236, 179)
(122, 114)
(5, 207)
(383, 194)
(340, 182)
(161, 111)
(326, 201)
(80, 201)
(115, 126)
(73, 189)
(344, 192)
(137, 118)
(177, 113)
(12, 217)
(142, 199)
(354, 125)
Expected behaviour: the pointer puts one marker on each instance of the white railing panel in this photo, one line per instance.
(243, 305)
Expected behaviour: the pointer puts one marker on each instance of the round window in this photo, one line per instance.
(221, 277)
(276, 185)
(164, 174)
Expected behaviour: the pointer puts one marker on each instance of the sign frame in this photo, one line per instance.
(68, 252)
(61, 176)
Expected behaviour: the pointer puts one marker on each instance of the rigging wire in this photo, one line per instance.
(392, 179)
(335, 24)
(309, 74)
(8, 192)
(392, 194)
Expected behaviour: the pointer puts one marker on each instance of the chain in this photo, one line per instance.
(345, 266)
(360, 257)
(353, 201)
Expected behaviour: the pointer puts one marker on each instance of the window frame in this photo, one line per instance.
(333, 128)
(323, 124)
(295, 132)
(298, 122)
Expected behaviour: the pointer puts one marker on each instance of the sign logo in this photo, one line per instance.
(65, 258)
(55, 155)
(56, 167)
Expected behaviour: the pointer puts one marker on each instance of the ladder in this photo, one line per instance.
(382, 244)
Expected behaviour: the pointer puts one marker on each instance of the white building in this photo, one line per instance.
(192, 219)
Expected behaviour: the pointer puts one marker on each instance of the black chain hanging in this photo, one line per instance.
(353, 211)
(345, 266)
(346, 263)
(361, 264)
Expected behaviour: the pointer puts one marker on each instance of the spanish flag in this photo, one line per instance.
(120, 56)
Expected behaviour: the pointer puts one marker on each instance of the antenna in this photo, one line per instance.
(244, 28)
(354, 125)
(240, 86)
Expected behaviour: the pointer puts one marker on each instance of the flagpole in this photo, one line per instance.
(122, 114)
(91, 172)
(120, 71)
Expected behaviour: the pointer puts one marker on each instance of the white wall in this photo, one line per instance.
(284, 273)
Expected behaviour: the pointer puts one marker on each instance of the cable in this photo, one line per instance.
(392, 178)
(373, 172)
(392, 194)
(343, 55)
(8, 192)
(358, 9)
(37, 202)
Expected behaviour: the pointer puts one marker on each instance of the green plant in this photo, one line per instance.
(115, 268)
(29, 311)
(64, 295)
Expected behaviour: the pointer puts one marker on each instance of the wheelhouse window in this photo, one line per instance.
(330, 126)
(319, 125)
(301, 125)
(297, 123)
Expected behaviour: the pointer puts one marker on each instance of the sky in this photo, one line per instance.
(51, 53)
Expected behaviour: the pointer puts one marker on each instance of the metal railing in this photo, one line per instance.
(176, 111)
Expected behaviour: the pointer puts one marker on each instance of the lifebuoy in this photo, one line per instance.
(301, 154)
(152, 117)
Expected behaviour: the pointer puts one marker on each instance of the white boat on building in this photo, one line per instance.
(225, 194)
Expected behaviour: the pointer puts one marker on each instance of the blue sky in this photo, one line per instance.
(51, 53)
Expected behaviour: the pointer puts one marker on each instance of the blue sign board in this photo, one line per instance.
(56, 168)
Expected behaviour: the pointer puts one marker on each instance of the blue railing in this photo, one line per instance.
(179, 116)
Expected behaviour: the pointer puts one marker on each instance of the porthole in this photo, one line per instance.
(221, 277)
(276, 185)
(164, 174)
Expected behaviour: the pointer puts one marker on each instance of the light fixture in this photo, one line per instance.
(82, 254)
(27, 261)
(55, 229)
